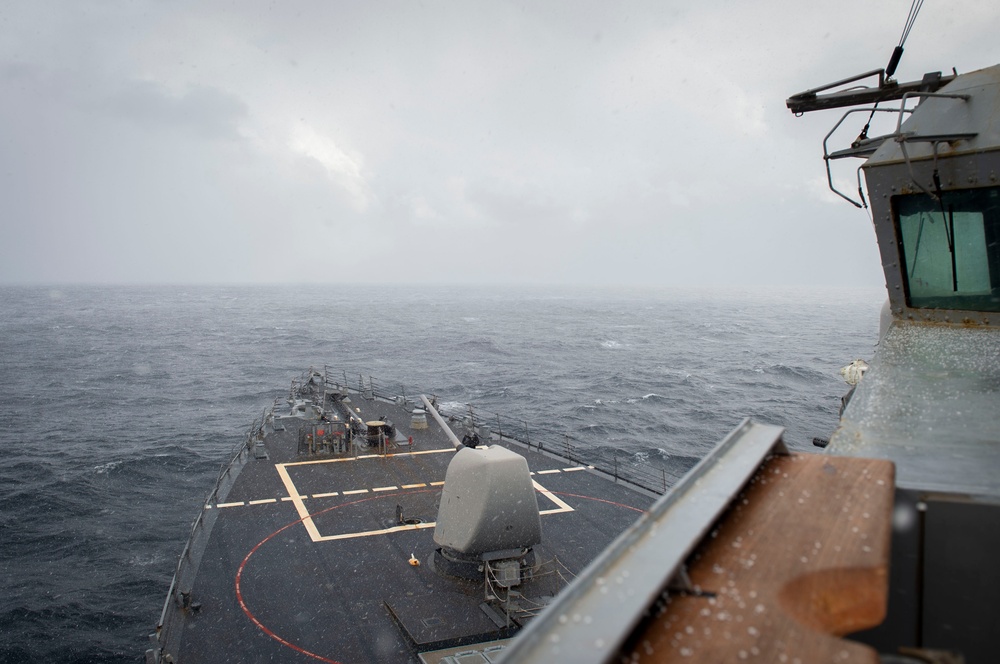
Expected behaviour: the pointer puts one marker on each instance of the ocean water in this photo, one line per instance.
(120, 403)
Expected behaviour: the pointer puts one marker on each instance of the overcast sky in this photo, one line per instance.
(527, 142)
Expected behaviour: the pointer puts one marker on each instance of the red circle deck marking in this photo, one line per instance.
(264, 628)
(600, 500)
(239, 574)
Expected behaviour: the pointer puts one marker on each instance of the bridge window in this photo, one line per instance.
(951, 249)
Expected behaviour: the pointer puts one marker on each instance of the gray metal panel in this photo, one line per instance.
(937, 116)
(592, 617)
(929, 402)
(962, 579)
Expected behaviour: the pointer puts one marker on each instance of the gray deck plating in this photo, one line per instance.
(931, 394)
(308, 562)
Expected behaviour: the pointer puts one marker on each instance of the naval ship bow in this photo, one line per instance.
(362, 524)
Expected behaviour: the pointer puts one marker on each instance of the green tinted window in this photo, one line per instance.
(951, 249)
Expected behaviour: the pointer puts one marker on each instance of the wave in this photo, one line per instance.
(121, 403)
(478, 346)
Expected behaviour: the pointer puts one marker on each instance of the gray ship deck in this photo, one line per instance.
(307, 559)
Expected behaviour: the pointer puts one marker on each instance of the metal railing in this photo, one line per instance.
(621, 466)
(200, 529)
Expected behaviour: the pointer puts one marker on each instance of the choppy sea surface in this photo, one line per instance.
(120, 403)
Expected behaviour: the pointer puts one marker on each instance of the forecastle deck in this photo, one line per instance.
(326, 556)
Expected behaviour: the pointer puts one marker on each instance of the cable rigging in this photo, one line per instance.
(897, 53)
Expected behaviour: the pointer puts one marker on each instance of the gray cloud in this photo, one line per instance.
(548, 142)
(206, 112)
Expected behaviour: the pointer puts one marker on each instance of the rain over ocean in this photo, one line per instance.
(120, 404)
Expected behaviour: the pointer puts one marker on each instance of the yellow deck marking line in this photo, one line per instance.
(369, 533)
(368, 456)
(293, 493)
(563, 507)
(310, 526)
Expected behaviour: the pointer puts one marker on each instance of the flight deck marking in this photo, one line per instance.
(300, 508)
(306, 518)
(563, 507)
(296, 499)
(366, 456)
(420, 485)
(246, 559)
(369, 533)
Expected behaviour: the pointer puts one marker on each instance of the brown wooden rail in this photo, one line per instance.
(799, 560)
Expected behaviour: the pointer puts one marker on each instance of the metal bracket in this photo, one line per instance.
(867, 148)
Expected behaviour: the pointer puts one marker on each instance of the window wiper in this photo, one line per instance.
(951, 247)
(916, 245)
(949, 229)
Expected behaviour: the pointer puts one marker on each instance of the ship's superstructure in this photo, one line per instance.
(931, 398)
(881, 548)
